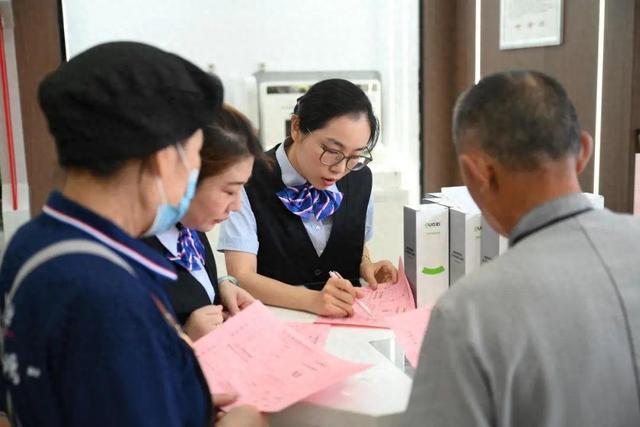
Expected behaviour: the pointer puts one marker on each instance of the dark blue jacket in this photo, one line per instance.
(87, 345)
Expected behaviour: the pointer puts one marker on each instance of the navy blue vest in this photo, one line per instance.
(286, 252)
(186, 293)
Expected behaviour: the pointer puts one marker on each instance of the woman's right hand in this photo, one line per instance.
(335, 299)
(243, 415)
(203, 320)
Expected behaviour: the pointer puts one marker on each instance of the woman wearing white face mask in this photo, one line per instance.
(167, 214)
(200, 299)
(88, 335)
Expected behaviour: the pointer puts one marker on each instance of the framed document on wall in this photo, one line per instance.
(530, 23)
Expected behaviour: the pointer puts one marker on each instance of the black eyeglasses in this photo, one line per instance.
(331, 157)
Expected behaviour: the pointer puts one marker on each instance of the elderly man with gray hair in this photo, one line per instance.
(548, 333)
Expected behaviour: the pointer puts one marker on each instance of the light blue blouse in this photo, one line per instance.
(239, 232)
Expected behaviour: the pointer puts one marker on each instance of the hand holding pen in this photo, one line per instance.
(335, 299)
(362, 305)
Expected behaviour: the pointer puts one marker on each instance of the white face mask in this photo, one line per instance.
(168, 215)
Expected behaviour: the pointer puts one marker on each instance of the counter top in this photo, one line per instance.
(375, 397)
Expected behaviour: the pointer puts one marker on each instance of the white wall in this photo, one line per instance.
(286, 35)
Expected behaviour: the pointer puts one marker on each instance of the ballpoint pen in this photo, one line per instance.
(337, 275)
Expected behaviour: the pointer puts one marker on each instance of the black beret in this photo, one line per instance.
(125, 100)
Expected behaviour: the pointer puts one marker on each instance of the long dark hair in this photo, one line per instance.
(333, 98)
(227, 140)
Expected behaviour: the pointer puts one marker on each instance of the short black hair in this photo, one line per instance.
(332, 98)
(521, 118)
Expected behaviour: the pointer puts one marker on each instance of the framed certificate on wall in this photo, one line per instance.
(530, 23)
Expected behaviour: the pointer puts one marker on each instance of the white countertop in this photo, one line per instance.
(374, 397)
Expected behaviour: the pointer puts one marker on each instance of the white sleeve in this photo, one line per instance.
(368, 226)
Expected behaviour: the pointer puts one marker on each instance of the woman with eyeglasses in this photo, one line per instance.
(312, 211)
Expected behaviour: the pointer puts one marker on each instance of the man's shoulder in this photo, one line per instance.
(604, 219)
(596, 220)
(567, 251)
(577, 242)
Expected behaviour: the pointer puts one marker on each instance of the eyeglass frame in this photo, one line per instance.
(365, 162)
(367, 159)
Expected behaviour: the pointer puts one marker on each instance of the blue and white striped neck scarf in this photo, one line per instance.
(306, 201)
(190, 250)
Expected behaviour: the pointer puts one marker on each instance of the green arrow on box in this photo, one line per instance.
(432, 271)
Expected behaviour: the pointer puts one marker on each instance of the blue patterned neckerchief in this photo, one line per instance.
(306, 201)
(190, 250)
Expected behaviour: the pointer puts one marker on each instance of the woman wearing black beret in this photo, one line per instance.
(88, 333)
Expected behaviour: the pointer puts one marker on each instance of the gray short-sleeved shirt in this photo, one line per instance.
(545, 335)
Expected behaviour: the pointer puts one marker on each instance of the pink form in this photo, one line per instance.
(410, 328)
(389, 299)
(268, 364)
(315, 333)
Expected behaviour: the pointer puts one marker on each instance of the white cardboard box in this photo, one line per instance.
(465, 241)
(493, 244)
(426, 251)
